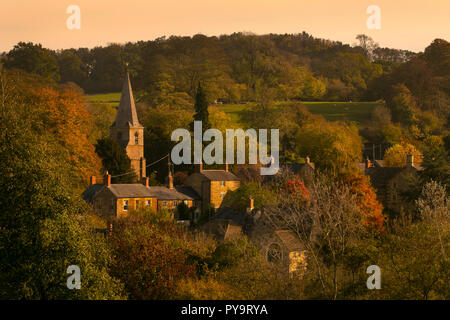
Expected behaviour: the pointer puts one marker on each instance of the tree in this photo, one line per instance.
(327, 225)
(115, 160)
(395, 156)
(201, 109)
(367, 44)
(43, 230)
(415, 253)
(333, 146)
(32, 58)
(435, 160)
(372, 211)
(402, 104)
(149, 254)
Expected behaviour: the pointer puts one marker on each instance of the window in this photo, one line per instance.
(136, 138)
(175, 203)
(274, 253)
(186, 202)
(137, 204)
(125, 205)
(148, 202)
(222, 183)
(164, 204)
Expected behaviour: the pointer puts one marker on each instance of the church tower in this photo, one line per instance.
(127, 130)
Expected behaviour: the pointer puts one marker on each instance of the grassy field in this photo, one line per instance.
(358, 112)
(111, 99)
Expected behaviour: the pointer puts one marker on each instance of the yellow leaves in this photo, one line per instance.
(395, 156)
(66, 118)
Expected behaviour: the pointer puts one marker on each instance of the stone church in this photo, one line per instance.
(127, 130)
(202, 190)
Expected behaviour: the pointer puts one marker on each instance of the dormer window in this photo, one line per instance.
(136, 138)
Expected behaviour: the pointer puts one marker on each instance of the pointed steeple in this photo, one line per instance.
(126, 112)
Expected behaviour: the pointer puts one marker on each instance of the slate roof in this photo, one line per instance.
(222, 229)
(138, 190)
(178, 193)
(289, 240)
(219, 175)
(380, 176)
(91, 191)
(135, 190)
(296, 167)
(126, 112)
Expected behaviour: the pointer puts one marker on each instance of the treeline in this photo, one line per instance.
(234, 68)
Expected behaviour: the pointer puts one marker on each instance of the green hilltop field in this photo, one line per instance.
(358, 112)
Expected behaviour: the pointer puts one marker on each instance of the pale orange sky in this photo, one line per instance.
(405, 24)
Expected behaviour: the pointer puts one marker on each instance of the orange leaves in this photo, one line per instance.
(64, 117)
(297, 187)
(373, 217)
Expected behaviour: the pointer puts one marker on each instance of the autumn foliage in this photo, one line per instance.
(59, 116)
(373, 217)
(297, 187)
(65, 116)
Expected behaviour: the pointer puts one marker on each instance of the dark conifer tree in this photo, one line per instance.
(201, 109)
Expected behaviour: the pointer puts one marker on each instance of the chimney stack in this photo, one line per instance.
(307, 160)
(226, 167)
(250, 204)
(145, 181)
(199, 167)
(409, 160)
(367, 163)
(107, 181)
(143, 167)
(93, 180)
(170, 177)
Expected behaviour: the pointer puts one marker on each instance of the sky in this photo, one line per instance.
(405, 24)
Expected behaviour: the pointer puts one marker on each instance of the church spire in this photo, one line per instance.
(126, 112)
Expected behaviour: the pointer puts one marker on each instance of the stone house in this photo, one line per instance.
(116, 200)
(391, 183)
(212, 185)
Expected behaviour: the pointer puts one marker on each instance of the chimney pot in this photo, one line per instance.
(367, 163)
(410, 160)
(107, 179)
(170, 177)
(145, 181)
(250, 204)
(226, 167)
